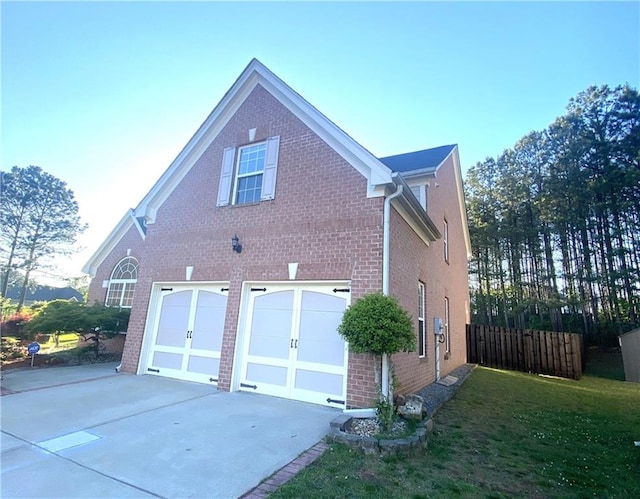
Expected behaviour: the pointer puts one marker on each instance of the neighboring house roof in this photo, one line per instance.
(46, 293)
(425, 160)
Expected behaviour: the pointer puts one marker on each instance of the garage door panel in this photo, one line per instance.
(167, 360)
(188, 336)
(292, 347)
(263, 373)
(171, 337)
(272, 346)
(278, 300)
(319, 381)
(315, 301)
(320, 317)
(203, 365)
(174, 319)
(209, 321)
(319, 352)
(271, 325)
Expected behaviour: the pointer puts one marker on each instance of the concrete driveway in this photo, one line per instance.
(86, 431)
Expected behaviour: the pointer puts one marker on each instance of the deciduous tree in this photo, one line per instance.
(94, 323)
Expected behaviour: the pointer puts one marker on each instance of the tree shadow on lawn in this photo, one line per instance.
(604, 363)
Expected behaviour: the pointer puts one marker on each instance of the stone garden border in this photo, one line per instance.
(383, 446)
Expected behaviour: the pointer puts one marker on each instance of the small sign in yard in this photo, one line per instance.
(33, 348)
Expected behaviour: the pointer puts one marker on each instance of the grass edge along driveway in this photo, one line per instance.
(504, 434)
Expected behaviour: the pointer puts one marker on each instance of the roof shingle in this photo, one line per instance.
(418, 160)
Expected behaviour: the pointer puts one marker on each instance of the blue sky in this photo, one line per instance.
(105, 95)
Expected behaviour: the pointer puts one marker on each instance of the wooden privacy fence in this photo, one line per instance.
(527, 350)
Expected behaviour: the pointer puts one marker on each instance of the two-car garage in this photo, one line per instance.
(286, 344)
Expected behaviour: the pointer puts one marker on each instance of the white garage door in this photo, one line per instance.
(187, 338)
(291, 347)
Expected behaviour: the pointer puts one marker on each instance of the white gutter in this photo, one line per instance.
(386, 244)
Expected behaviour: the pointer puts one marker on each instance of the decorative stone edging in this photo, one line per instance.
(384, 446)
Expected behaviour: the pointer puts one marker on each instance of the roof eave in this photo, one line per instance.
(413, 212)
(91, 266)
(256, 73)
(461, 199)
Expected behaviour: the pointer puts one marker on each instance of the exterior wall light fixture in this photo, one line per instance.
(235, 244)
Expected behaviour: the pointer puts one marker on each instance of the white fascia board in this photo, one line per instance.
(423, 172)
(461, 199)
(110, 242)
(196, 146)
(422, 179)
(357, 156)
(413, 213)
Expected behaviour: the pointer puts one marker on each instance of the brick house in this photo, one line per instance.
(241, 260)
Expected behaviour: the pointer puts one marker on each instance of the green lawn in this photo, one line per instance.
(15, 349)
(65, 342)
(504, 434)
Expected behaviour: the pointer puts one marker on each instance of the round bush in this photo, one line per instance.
(377, 324)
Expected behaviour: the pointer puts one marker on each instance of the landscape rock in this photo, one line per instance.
(412, 407)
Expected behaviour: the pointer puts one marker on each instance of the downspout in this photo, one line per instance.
(437, 357)
(386, 244)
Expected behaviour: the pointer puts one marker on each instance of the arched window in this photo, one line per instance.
(122, 283)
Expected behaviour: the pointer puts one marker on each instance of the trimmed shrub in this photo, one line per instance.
(377, 324)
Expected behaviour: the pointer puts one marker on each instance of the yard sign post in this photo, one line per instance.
(33, 349)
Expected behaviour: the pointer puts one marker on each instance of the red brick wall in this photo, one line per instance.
(449, 279)
(110, 345)
(130, 241)
(412, 261)
(320, 218)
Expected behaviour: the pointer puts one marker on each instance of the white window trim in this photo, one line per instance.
(237, 175)
(126, 283)
(447, 336)
(228, 184)
(445, 239)
(421, 320)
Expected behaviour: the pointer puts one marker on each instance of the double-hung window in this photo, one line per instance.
(422, 343)
(248, 173)
(250, 170)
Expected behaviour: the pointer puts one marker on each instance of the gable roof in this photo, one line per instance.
(255, 74)
(378, 174)
(428, 162)
(418, 161)
(110, 242)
